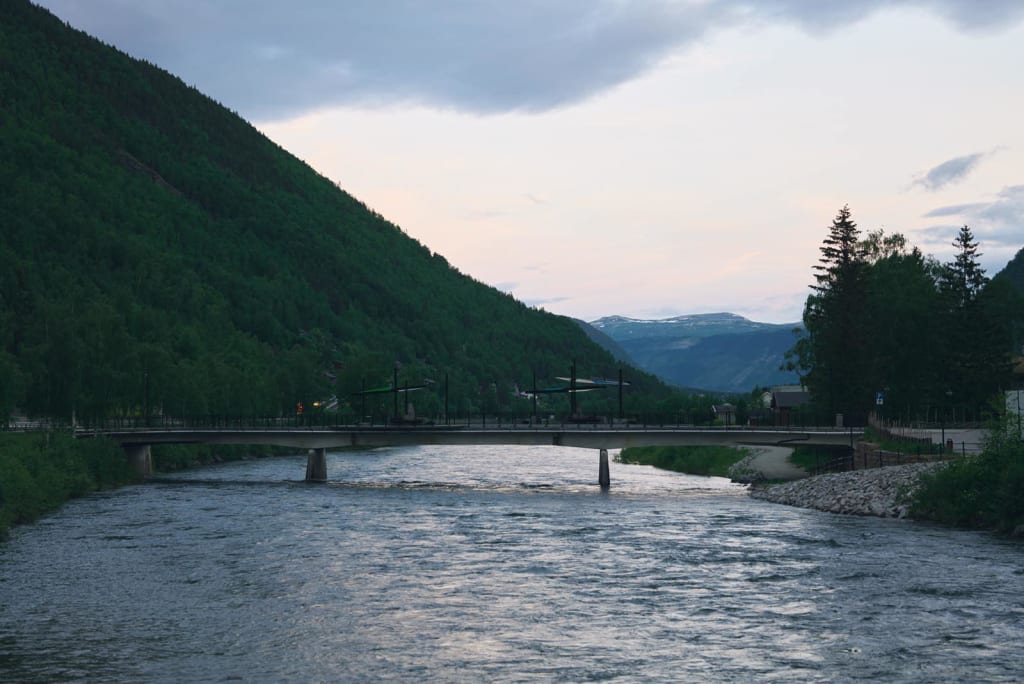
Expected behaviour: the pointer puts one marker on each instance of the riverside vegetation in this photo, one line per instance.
(935, 338)
(693, 460)
(39, 471)
(978, 491)
(984, 491)
(865, 332)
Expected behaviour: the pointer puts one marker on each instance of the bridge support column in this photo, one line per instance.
(140, 458)
(316, 465)
(604, 477)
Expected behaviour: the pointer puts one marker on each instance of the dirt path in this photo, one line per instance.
(773, 463)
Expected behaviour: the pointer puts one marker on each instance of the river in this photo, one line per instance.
(494, 564)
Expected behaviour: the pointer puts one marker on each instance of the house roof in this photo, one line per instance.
(790, 398)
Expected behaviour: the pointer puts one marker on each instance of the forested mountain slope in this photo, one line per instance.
(1013, 272)
(157, 253)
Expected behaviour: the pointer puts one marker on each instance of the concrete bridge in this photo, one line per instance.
(137, 442)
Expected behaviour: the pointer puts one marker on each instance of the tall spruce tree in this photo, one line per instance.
(831, 355)
(977, 338)
(965, 278)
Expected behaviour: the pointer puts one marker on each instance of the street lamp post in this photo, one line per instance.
(394, 389)
(1018, 414)
(949, 393)
(620, 394)
(534, 397)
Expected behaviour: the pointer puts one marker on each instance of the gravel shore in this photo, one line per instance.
(883, 492)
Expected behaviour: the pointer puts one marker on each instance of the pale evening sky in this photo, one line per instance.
(649, 159)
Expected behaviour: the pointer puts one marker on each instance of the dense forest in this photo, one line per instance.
(160, 256)
(890, 330)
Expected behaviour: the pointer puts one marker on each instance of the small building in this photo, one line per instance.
(725, 413)
(785, 400)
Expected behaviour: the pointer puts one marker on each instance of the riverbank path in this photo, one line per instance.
(773, 463)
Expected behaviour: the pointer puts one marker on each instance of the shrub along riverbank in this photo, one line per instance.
(981, 492)
(984, 491)
(692, 460)
(40, 471)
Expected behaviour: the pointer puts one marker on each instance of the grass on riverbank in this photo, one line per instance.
(40, 471)
(983, 491)
(817, 458)
(903, 446)
(693, 460)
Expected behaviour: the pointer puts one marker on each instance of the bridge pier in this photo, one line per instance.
(604, 477)
(140, 458)
(316, 465)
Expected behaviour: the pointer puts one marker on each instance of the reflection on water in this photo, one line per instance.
(494, 563)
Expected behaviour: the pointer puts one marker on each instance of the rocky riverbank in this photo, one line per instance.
(884, 492)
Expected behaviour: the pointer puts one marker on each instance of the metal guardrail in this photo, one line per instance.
(496, 426)
(477, 421)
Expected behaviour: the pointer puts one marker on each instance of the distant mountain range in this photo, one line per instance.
(718, 352)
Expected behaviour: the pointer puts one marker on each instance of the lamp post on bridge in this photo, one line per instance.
(620, 393)
(394, 390)
(534, 397)
(572, 390)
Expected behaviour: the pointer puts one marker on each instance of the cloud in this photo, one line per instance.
(968, 15)
(998, 222)
(957, 209)
(273, 60)
(951, 171)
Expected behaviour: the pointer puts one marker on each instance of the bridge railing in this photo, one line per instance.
(489, 421)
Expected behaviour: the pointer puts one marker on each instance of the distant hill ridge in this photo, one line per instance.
(691, 325)
(717, 351)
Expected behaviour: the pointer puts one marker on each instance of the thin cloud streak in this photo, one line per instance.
(950, 171)
(999, 222)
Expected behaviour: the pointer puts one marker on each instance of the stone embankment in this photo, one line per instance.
(884, 492)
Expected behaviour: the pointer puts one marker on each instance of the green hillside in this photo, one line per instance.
(1013, 272)
(160, 255)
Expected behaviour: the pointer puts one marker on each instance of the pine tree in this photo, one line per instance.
(977, 339)
(832, 354)
(965, 279)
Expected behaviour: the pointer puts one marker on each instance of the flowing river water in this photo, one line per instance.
(494, 564)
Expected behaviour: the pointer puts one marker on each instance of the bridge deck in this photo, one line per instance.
(586, 437)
